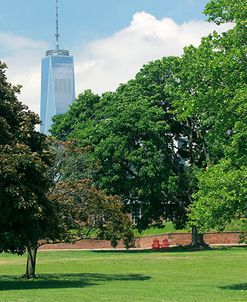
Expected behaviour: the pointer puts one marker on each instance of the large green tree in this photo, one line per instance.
(196, 101)
(25, 159)
(130, 139)
(36, 205)
(214, 98)
(77, 209)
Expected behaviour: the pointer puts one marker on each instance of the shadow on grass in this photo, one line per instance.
(65, 281)
(174, 249)
(240, 286)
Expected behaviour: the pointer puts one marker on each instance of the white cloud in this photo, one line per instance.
(22, 56)
(105, 63)
(12, 42)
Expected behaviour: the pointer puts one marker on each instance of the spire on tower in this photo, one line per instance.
(57, 35)
(57, 51)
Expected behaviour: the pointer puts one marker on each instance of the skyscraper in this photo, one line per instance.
(57, 82)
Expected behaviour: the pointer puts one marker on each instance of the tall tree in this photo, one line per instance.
(192, 100)
(222, 187)
(77, 209)
(24, 161)
(130, 144)
(34, 207)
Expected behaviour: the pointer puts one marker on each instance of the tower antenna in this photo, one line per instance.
(57, 35)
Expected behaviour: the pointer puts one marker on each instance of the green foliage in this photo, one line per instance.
(79, 111)
(221, 11)
(83, 209)
(221, 196)
(198, 100)
(129, 143)
(219, 100)
(25, 157)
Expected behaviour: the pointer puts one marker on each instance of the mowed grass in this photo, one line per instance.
(235, 225)
(81, 276)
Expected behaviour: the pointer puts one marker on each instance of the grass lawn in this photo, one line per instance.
(235, 225)
(81, 276)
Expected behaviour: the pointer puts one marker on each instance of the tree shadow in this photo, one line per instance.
(173, 249)
(51, 281)
(240, 286)
(132, 251)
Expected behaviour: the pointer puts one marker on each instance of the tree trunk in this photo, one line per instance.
(197, 239)
(31, 262)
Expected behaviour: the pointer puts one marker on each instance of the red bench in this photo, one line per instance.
(165, 244)
(157, 245)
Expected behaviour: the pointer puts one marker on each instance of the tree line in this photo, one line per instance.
(172, 141)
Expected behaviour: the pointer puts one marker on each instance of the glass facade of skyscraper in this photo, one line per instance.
(57, 86)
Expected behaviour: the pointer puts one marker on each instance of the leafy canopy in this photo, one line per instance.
(25, 158)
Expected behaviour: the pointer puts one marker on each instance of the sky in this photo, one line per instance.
(109, 39)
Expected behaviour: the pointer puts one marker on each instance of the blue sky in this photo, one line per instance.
(109, 39)
(88, 19)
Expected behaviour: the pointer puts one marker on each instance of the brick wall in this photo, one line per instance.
(185, 238)
(146, 241)
(222, 238)
(88, 244)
